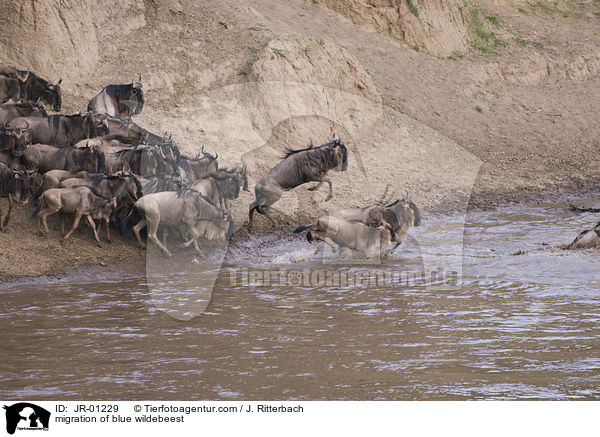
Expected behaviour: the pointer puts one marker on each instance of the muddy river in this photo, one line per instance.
(518, 319)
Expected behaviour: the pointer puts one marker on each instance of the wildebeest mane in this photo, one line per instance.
(289, 151)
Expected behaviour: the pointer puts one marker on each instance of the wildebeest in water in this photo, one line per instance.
(121, 101)
(296, 168)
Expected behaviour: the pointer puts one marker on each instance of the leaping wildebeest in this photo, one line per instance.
(14, 185)
(79, 201)
(121, 101)
(296, 168)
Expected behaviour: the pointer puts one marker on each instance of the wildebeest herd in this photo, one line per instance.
(101, 165)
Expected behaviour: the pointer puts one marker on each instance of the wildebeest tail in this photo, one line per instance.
(39, 192)
(123, 225)
(37, 209)
(300, 229)
(309, 237)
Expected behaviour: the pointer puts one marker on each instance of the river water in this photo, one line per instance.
(524, 324)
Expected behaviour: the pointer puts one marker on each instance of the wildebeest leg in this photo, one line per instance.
(165, 232)
(107, 230)
(75, 225)
(1, 225)
(253, 206)
(136, 231)
(152, 229)
(93, 226)
(316, 187)
(62, 224)
(264, 210)
(43, 219)
(5, 223)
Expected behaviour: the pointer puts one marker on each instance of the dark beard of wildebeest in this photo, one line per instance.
(10, 111)
(43, 158)
(34, 87)
(298, 167)
(14, 140)
(223, 186)
(14, 185)
(121, 101)
(194, 169)
(62, 130)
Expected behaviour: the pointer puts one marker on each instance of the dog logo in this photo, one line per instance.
(26, 416)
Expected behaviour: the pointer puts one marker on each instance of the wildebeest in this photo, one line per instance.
(45, 158)
(587, 239)
(10, 111)
(199, 167)
(223, 186)
(142, 160)
(370, 241)
(155, 184)
(12, 88)
(15, 140)
(121, 101)
(62, 130)
(398, 217)
(79, 201)
(170, 208)
(14, 186)
(52, 178)
(298, 167)
(37, 88)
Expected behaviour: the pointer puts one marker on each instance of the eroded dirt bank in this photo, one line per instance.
(506, 114)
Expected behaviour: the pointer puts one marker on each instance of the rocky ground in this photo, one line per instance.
(461, 104)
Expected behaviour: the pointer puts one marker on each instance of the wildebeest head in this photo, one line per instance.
(93, 158)
(17, 138)
(22, 184)
(137, 95)
(341, 154)
(97, 124)
(22, 76)
(404, 208)
(49, 93)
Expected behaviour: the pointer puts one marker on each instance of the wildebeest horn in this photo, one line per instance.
(311, 144)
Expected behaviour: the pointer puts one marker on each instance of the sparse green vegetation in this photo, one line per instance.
(554, 7)
(485, 39)
(259, 27)
(457, 54)
(523, 11)
(478, 109)
(369, 73)
(522, 42)
(413, 8)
